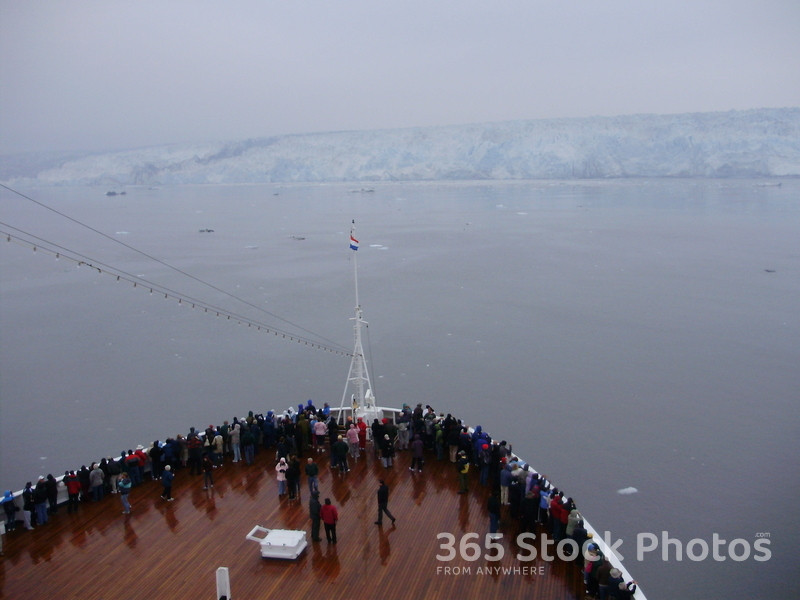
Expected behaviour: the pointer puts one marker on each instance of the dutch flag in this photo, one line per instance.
(353, 243)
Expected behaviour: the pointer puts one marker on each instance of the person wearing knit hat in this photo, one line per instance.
(485, 463)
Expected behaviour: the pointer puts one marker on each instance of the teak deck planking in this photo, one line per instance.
(172, 549)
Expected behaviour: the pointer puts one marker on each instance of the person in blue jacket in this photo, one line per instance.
(166, 479)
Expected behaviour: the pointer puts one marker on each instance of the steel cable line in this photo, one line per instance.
(168, 293)
(161, 262)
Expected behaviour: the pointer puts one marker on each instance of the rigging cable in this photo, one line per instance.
(369, 348)
(161, 262)
(144, 284)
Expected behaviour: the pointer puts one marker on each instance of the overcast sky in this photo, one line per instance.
(101, 75)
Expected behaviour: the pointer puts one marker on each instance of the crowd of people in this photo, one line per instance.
(528, 499)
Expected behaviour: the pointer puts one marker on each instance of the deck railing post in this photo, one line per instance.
(223, 584)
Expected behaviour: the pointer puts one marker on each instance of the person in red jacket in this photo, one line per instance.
(555, 516)
(329, 516)
(73, 490)
(143, 458)
(362, 434)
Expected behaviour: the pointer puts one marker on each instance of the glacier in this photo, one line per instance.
(749, 143)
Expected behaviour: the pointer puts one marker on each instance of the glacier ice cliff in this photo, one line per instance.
(751, 143)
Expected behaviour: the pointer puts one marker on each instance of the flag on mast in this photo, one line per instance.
(353, 242)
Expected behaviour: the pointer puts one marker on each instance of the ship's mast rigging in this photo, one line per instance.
(362, 399)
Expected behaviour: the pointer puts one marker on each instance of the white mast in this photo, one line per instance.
(362, 399)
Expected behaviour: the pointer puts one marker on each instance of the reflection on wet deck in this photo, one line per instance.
(172, 549)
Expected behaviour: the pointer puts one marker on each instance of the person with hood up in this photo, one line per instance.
(281, 469)
(352, 441)
(362, 434)
(236, 433)
(10, 508)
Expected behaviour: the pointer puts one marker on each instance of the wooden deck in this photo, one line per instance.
(172, 549)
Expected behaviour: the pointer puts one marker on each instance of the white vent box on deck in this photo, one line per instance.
(279, 543)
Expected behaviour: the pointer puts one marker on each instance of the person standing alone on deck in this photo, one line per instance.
(383, 503)
(166, 479)
(329, 516)
(124, 487)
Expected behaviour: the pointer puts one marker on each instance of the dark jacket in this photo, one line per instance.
(40, 493)
(167, 477)
(52, 488)
(340, 448)
(27, 499)
(494, 505)
(314, 508)
(383, 494)
(417, 447)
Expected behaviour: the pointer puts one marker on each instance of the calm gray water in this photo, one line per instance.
(617, 333)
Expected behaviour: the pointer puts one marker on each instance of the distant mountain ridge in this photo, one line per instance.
(751, 143)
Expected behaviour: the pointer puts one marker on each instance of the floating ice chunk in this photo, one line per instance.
(251, 247)
(375, 245)
(627, 491)
(522, 213)
(123, 233)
